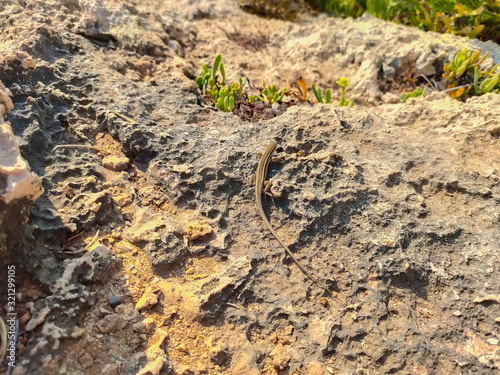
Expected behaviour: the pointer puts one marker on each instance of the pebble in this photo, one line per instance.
(280, 358)
(143, 326)
(86, 360)
(116, 162)
(111, 323)
(308, 196)
(492, 341)
(196, 230)
(114, 300)
(148, 300)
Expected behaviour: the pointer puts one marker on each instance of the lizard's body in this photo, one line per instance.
(259, 182)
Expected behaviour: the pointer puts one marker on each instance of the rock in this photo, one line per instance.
(196, 230)
(93, 266)
(492, 341)
(157, 358)
(38, 318)
(86, 360)
(19, 188)
(124, 199)
(111, 323)
(148, 300)
(143, 326)
(114, 300)
(159, 237)
(246, 364)
(394, 206)
(316, 368)
(488, 298)
(280, 357)
(127, 311)
(220, 355)
(116, 162)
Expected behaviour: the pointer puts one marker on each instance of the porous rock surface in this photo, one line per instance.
(19, 188)
(394, 206)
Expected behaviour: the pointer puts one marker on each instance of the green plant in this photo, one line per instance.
(208, 79)
(463, 73)
(319, 95)
(471, 18)
(229, 95)
(269, 94)
(464, 61)
(489, 83)
(414, 94)
(225, 101)
(346, 8)
(342, 82)
(223, 96)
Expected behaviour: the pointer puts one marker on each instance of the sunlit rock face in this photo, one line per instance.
(19, 187)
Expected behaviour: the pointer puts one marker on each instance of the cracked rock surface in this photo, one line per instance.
(146, 253)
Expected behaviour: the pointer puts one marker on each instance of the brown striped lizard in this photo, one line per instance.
(259, 183)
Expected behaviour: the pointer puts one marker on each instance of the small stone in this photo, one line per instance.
(182, 348)
(111, 323)
(143, 326)
(116, 162)
(315, 368)
(38, 318)
(124, 199)
(110, 369)
(492, 341)
(127, 311)
(457, 313)
(181, 168)
(114, 301)
(487, 298)
(280, 358)
(190, 271)
(288, 330)
(308, 196)
(77, 333)
(196, 230)
(86, 360)
(390, 243)
(148, 300)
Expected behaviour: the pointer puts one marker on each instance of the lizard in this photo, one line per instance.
(259, 183)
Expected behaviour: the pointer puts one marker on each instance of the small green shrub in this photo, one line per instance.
(209, 77)
(319, 95)
(414, 94)
(471, 18)
(463, 74)
(345, 8)
(227, 98)
(342, 82)
(224, 97)
(269, 94)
